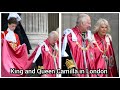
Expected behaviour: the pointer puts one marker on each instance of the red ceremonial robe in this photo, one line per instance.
(14, 58)
(77, 53)
(47, 58)
(17, 37)
(100, 61)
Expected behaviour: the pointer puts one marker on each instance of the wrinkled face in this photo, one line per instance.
(12, 26)
(87, 24)
(103, 30)
(53, 40)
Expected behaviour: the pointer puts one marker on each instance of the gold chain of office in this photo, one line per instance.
(54, 56)
(86, 48)
(102, 50)
(89, 46)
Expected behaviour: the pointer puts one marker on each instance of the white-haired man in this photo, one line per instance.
(77, 50)
(46, 57)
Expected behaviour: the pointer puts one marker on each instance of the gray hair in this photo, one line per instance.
(99, 23)
(53, 34)
(57, 29)
(82, 18)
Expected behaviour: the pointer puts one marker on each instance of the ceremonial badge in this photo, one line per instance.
(111, 61)
(91, 55)
(105, 58)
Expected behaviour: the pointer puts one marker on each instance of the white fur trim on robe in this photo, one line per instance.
(74, 38)
(46, 49)
(107, 39)
(39, 51)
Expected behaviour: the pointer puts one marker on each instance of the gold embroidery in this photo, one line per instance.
(83, 47)
(54, 56)
(69, 63)
(55, 52)
(102, 50)
(40, 67)
(13, 45)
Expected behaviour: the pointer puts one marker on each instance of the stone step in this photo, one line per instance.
(32, 42)
(37, 36)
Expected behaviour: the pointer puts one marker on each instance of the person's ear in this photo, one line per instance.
(81, 24)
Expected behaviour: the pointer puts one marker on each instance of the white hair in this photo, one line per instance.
(82, 18)
(100, 22)
(53, 34)
(57, 30)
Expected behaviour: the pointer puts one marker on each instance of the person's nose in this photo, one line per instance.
(89, 25)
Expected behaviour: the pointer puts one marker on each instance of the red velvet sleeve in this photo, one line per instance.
(18, 40)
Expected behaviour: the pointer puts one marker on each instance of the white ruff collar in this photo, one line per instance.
(10, 36)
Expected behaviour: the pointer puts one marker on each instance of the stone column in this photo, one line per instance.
(35, 23)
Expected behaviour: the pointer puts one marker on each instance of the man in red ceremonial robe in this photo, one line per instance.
(9, 34)
(14, 56)
(46, 57)
(104, 52)
(19, 30)
(77, 49)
